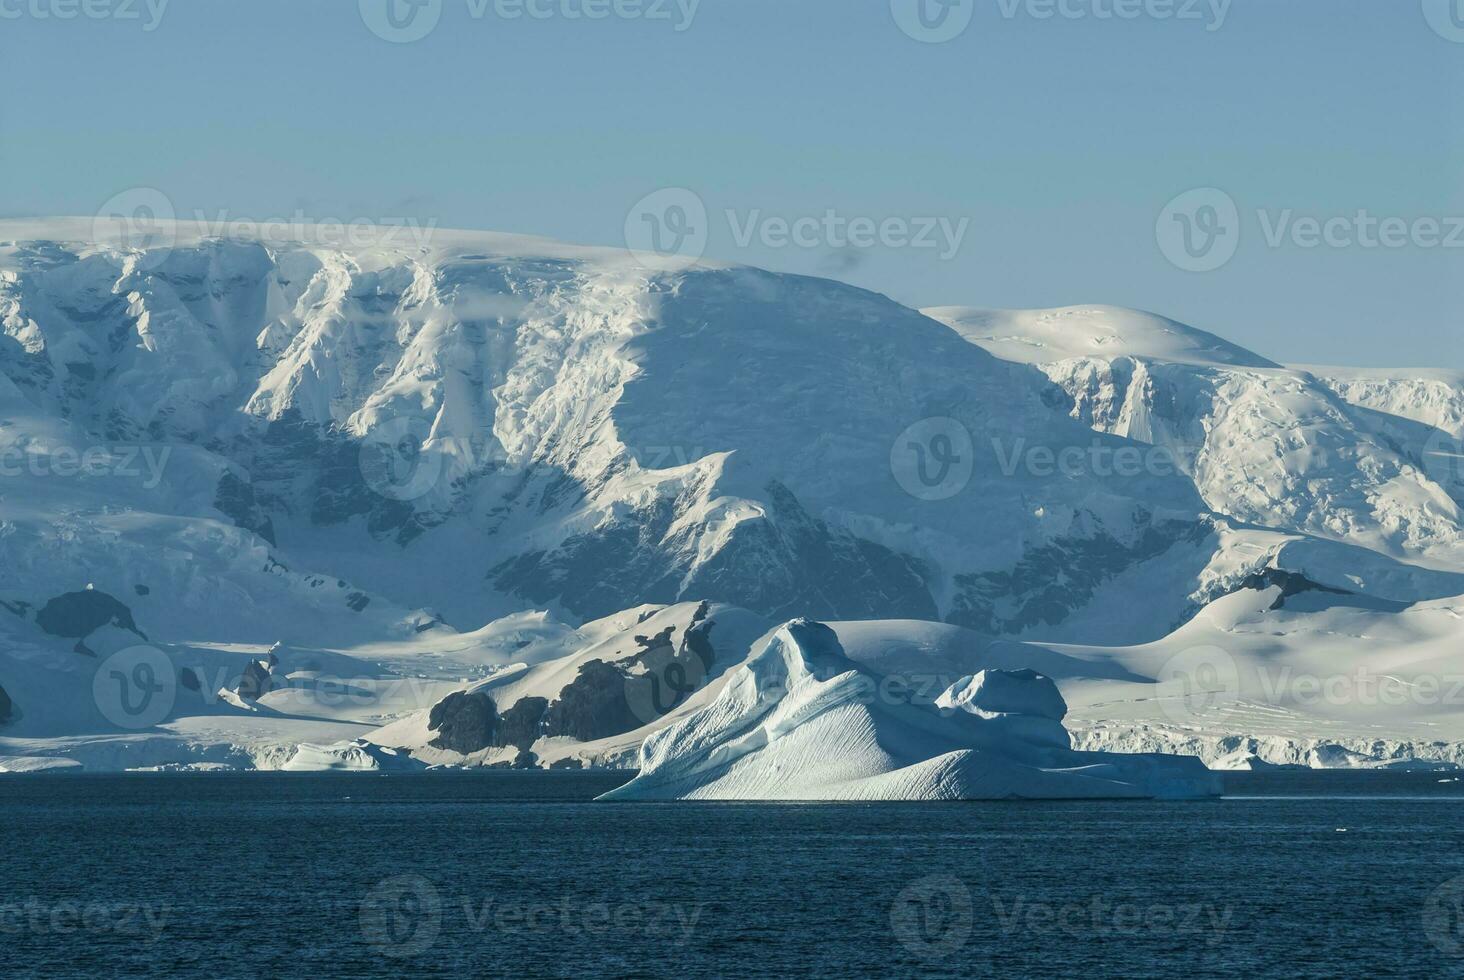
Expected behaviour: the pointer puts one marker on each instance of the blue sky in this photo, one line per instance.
(1058, 140)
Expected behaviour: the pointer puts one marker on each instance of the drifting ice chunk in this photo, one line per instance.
(353, 756)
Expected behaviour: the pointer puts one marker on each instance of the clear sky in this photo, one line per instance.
(1060, 139)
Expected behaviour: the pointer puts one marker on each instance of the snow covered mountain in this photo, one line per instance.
(307, 476)
(498, 423)
(1342, 456)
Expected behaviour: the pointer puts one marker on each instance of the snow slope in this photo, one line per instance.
(1311, 678)
(485, 424)
(1265, 445)
(420, 469)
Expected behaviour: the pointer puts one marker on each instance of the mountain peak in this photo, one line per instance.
(1044, 336)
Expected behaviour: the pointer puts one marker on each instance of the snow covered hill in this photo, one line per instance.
(333, 487)
(1348, 457)
(497, 423)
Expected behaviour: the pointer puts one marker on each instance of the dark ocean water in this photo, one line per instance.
(516, 874)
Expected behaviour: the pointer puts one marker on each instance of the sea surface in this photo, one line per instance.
(519, 874)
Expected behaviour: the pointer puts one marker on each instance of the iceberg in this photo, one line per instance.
(801, 721)
(355, 755)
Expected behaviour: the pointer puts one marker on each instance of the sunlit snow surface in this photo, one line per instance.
(598, 450)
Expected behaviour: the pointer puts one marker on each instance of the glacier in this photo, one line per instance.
(485, 500)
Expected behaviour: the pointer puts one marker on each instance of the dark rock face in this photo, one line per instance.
(789, 563)
(256, 682)
(609, 699)
(7, 707)
(189, 679)
(793, 564)
(470, 722)
(77, 615)
(331, 489)
(465, 723)
(593, 706)
(998, 603)
(522, 724)
(235, 499)
(1290, 584)
(605, 699)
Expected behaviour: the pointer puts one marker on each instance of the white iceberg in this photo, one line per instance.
(356, 755)
(801, 721)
